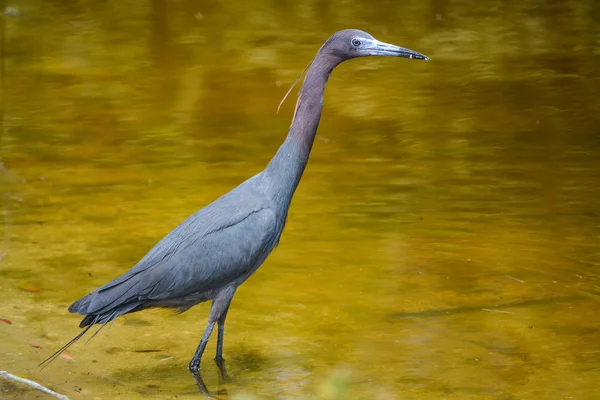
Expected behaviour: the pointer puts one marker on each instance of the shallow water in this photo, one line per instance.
(444, 241)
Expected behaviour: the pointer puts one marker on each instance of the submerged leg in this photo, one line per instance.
(195, 363)
(218, 313)
(218, 309)
(221, 331)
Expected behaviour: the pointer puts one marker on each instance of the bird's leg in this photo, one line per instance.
(218, 313)
(195, 363)
(219, 357)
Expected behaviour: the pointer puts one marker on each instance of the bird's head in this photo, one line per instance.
(353, 43)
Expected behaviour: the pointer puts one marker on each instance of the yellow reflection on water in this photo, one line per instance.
(443, 242)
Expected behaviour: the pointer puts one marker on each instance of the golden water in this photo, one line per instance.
(444, 242)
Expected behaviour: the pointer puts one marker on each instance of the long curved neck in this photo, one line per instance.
(286, 168)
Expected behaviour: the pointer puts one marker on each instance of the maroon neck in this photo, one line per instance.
(310, 100)
(286, 168)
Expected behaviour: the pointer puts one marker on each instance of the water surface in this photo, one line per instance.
(444, 241)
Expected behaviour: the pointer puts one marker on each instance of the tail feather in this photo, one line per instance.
(88, 320)
(111, 315)
(80, 305)
(111, 318)
(104, 300)
(103, 305)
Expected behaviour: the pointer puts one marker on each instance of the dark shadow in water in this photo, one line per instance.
(247, 360)
(201, 386)
(468, 309)
(243, 359)
(221, 390)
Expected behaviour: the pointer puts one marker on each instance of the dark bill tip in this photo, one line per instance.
(408, 53)
(386, 49)
(419, 57)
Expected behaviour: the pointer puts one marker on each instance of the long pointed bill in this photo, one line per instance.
(377, 48)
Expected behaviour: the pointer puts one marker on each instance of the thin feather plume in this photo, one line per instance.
(53, 357)
(294, 84)
(112, 317)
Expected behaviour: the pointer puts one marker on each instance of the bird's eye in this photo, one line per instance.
(355, 42)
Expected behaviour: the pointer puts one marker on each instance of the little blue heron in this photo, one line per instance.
(216, 249)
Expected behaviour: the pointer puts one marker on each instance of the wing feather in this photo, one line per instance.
(220, 244)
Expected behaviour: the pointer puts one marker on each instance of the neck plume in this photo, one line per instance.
(286, 168)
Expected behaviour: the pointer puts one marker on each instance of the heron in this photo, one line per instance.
(211, 253)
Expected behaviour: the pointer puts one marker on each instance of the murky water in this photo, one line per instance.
(443, 243)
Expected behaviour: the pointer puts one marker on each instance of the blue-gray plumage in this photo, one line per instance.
(216, 249)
